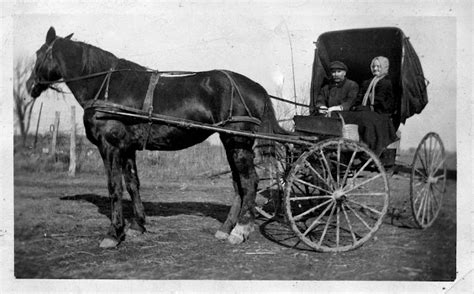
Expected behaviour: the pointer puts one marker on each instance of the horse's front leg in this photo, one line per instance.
(132, 184)
(113, 167)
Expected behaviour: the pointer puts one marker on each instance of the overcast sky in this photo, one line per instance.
(250, 38)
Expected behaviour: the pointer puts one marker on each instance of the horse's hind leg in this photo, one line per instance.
(240, 156)
(226, 228)
(132, 183)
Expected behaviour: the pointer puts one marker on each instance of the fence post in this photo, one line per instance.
(72, 149)
(37, 126)
(55, 128)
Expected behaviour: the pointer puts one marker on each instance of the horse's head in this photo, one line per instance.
(46, 69)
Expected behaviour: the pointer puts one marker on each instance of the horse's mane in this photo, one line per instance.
(95, 58)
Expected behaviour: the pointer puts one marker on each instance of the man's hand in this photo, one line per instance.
(323, 109)
(335, 108)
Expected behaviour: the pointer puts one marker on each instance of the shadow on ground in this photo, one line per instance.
(216, 211)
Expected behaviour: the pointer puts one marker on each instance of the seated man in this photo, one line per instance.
(340, 94)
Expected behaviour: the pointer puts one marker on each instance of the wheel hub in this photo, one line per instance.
(432, 180)
(339, 195)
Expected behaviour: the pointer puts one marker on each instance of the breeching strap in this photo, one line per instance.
(236, 88)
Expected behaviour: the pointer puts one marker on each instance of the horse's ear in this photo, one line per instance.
(69, 36)
(50, 36)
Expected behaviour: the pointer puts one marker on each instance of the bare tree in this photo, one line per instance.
(23, 103)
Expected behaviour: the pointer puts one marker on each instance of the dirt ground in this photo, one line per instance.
(59, 222)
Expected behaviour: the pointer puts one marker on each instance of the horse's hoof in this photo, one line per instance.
(221, 235)
(235, 239)
(240, 233)
(133, 233)
(108, 243)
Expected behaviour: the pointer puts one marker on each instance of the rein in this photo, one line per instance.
(93, 75)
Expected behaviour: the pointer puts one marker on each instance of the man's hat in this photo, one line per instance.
(337, 65)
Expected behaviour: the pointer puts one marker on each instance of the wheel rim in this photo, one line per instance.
(332, 201)
(428, 180)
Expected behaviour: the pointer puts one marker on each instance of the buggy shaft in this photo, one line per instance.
(190, 124)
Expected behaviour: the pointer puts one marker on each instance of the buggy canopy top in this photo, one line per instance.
(356, 48)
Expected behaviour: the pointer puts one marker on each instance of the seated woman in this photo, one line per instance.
(373, 108)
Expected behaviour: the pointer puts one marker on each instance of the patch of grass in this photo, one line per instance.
(190, 163)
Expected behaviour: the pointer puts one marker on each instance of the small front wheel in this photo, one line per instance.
(336, 195)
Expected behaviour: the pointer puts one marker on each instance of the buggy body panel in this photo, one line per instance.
(356, 48)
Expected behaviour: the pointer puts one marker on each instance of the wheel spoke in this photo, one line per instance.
(437, 155)
(367, 194)
(440, 164)
(337, 226)
(359, 217)
(423, 164)
(422, 201)
(418, 195)
(323, 157)
(424, 216)
(363, 183)
(349, 223)
(311, 185)
(364, 206)
(438, 188)
(338, 165)
(299, 216)
(327, 225)
(316, 221)
(363, 167)
(346, 173)
(296, 198)
(430, 153)
(433, 207)
(312, 169)
(435, 200)
(298, 187)
(426, 154)
(422, 174)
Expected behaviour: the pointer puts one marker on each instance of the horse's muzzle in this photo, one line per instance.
(33, 88)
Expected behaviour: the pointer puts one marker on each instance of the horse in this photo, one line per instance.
(215, 97)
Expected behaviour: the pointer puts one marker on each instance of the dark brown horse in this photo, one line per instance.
(212, 97)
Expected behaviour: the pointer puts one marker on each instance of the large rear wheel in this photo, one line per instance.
(336, 195)
(428, 180)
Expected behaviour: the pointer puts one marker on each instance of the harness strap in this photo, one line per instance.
(107, 78)
(105, 82)
(148, 103)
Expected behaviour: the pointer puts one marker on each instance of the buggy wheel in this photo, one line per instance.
(428, 180)
(336, 195)
(270, 164)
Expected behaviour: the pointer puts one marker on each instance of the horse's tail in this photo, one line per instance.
(269, 122)
(266, 151)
